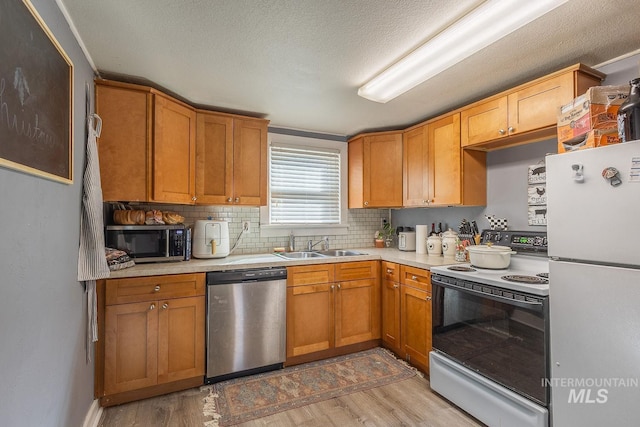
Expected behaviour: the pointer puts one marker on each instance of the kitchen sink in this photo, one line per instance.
(300, 255)
(340, 252)
(318, 254)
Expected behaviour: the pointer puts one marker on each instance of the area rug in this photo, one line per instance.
(243, 399)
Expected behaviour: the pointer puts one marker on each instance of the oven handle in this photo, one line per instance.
(521, 304)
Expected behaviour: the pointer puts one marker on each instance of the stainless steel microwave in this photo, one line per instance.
(151, 243)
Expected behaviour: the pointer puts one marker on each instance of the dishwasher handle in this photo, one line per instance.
(246, 275)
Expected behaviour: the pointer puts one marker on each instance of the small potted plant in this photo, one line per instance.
(384, 237)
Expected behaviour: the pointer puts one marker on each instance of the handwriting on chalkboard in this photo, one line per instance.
(36, 93)
(22, 126)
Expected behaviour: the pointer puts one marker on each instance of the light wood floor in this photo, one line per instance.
(404, 403)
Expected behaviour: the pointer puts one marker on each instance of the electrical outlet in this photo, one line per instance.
(246, 225)
(383, 222)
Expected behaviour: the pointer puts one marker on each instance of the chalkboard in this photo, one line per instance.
(36, 84)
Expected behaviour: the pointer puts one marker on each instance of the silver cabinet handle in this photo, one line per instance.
(389, 271)
(366, 203)
(511, 129)
(157, 288)
(414, 278)
(339, 286)
(333, 287)
(229, 199)
(396, 286)
(424, 202)
(428, 298)
(237, 199)
(152, 307)
(194, 198)
(501, 132)
(165, 305)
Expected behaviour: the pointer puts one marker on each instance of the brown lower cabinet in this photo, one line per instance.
(151, 336)
(390, 274)
(331, 306)
(406, 312)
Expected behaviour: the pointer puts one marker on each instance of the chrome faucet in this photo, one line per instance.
(324, 241)
(292, 242)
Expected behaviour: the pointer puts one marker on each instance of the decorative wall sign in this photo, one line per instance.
(537, 215)
(537, 194)
(36, 96)
(537, 174)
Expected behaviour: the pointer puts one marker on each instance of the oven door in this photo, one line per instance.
(501, 334)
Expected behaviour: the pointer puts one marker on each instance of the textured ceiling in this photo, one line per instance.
(299, 63)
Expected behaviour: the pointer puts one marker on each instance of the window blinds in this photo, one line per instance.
(304, 185)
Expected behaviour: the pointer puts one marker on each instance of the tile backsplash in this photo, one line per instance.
(363, 224)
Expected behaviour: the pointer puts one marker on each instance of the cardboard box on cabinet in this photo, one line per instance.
(593, 139)
(596, 109)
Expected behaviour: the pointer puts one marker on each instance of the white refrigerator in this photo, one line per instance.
(593, 226)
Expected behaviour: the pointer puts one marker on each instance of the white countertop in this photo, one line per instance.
(235, 262)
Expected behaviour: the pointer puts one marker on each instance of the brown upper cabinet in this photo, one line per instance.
(147, 145)
(526, 113)
(375, 170)
(148, 150)
(436, 172)
(231, 160)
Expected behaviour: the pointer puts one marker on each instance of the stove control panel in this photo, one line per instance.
(524, 242)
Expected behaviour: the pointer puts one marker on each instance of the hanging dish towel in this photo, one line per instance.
(92, 263)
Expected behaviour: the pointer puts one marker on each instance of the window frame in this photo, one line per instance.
(271, 230)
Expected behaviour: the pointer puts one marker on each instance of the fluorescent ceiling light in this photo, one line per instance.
(486, 24)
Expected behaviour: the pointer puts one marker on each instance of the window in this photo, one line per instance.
(306, 176)
(305, 185)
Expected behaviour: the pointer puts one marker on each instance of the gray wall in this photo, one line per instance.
(45, 380)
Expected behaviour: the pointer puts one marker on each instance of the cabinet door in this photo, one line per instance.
(124, 142)
(181, 335)
(174, 152)
(250, 162)
(383, 170)
(131, 347)
(415, 277)
(416, 325)
(310, 274)
(357, 311)
(356, 270)
(391, 306)
(445, 175)
(484, 122)
(214, 159)
(536, 107)
(310, 318)
(356, 173)
(415, 167)
(153, 288)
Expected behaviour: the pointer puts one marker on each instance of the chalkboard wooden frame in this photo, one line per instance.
(36, 96)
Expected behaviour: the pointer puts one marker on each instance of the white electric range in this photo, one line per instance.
(490, 334)
(528, 270)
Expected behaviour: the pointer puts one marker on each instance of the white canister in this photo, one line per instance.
(449, 240)
(434, 245)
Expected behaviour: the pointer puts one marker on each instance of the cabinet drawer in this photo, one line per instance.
(390, 271)
(153, 288)
(309, 274)
(357, 270)
(415, 277)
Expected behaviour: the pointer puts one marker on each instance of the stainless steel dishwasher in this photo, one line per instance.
(246, 322)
